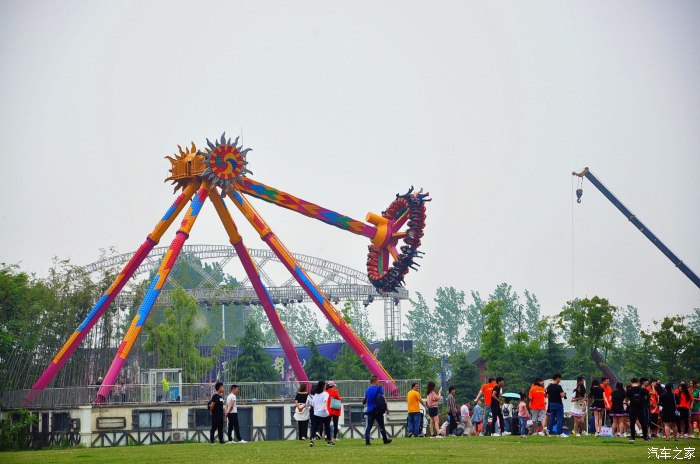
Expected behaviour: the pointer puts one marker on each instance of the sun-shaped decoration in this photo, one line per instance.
(225, 163)
(185, 166)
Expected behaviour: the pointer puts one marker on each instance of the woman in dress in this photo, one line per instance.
(667, 404)
(301, 411)
(597, 404)
(434, 400)
(578, 407)
(617, 412)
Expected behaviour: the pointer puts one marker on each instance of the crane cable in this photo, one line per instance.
(572, 236)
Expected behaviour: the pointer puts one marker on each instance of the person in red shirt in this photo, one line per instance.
(685, 402)
(607, 393)
(653, 408)
(537, 406)
(333, 412)
(487, 392)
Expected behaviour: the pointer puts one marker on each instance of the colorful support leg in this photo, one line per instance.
(103, 303)
(260, 290)
(152, 294)
(326, 307)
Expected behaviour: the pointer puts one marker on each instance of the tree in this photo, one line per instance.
(475, 322)
(551, 357)
(394, 361)
(318, 367)
(301, 324)
(348, 366)
(357, 316)
(465, 376)
(675, 346)
(449, 320)
(421, 326)
(532, 314)
(493, 342)
(253, 364)
(513, 313)
(175, 339)
(587, 325)
(423, 365)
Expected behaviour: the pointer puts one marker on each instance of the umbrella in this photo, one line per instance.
(512, 395)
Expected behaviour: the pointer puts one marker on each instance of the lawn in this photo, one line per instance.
(402, 450)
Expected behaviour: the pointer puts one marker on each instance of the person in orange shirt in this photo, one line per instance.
(537, 406)
(685, 402)
(487, 392)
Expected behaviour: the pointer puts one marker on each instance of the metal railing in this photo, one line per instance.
(142, 394)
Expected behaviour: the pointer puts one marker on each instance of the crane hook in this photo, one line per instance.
(579, 194)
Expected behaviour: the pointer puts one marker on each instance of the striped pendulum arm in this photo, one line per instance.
(323, 303)
(260, 290)
(151, 296)
(103, 303)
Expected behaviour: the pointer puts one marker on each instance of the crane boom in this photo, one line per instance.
(637, 223)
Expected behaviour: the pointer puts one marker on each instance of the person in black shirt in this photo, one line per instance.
(618, 412)
(216, 410)
(667, 403)
(637, 397)
(556, 408)
(496, 412)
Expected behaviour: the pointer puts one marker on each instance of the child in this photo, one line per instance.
(523, 415)
(478, 417)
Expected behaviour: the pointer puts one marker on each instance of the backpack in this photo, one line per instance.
(636, 398)
(379, 403)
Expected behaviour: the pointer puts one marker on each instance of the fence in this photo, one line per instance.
(142, 394)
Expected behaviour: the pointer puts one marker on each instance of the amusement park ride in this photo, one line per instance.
(218, 173)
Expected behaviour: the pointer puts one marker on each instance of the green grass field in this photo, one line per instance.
(402, 450)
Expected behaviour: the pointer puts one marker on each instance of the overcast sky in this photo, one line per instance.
(488, 105)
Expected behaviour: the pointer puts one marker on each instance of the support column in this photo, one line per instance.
(103, 303)
(260, 290)
(151, 296)
(322, 302)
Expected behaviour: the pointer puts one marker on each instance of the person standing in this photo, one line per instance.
(376, 408)
(618, 412)
(322, 424)
(555, 395)
(486, 391)
(537, 406)
(654, 393)
(695, 409)
(452, 411)
(301, 411)
(496, 402)
(478, 418)
(685, 402)
(334, 406)
(216, 411)
(667, 403)
(523, 415)
(597, 395)
(414, 400)
(434, 400)
(232, 415)
(578, 407)
(607, 394)
(637, 397)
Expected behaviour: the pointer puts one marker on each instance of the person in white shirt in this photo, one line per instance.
(232, 415)
(465, 418)
(321, 419)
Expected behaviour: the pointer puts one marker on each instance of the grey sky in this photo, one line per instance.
(488, 105)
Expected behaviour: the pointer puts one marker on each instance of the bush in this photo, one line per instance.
(15, 433)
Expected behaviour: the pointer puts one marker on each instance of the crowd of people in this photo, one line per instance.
(644, 404)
